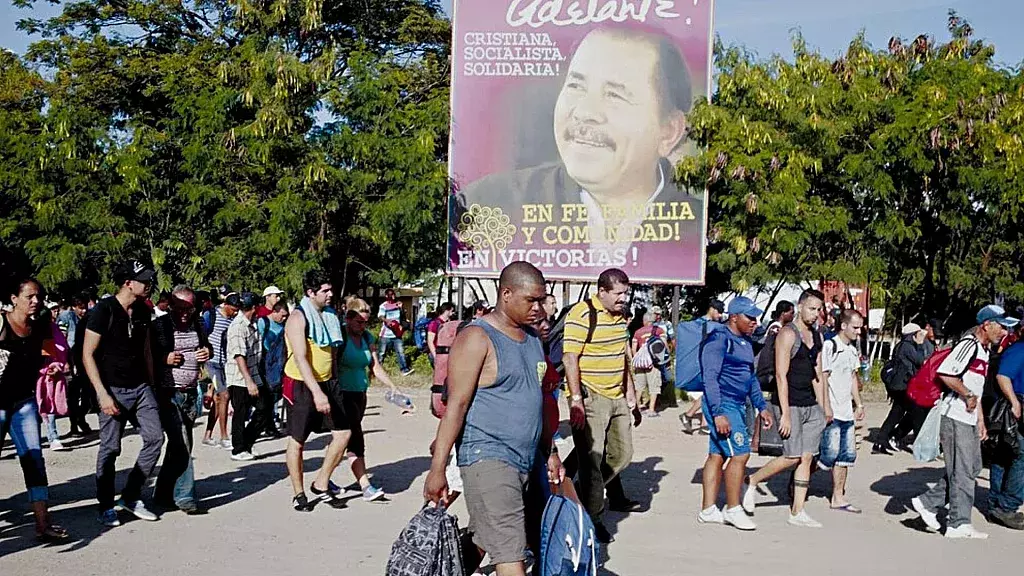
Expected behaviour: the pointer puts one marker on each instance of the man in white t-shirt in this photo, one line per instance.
(839, 363)
(963, 373)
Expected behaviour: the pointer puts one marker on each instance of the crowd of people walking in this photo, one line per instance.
(498, 378)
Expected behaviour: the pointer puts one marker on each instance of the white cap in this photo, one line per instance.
(911, 329)
(272, 290)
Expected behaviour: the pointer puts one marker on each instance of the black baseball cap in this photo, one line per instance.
(225, 290)
(248, 300)
(233, 299)
(134, 270)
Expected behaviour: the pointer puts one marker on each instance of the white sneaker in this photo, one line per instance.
(711, 515)
(226, 444)
(803, 520)
(738, 519)
(929, 517)
(57, 446)
(243, 456)
(965, 531)
(749, 498)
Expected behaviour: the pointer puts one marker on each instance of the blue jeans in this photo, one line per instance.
(1007, 484)
(22, 420)
(178, 413)
(51, 429)
(386, 343)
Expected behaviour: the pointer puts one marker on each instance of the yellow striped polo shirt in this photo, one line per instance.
(603, 360)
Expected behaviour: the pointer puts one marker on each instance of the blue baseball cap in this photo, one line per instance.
(745, 306)
(993, 313)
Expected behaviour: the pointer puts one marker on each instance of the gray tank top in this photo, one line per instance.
(504, 419)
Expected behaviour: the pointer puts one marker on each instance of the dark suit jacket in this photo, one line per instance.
(551, 184)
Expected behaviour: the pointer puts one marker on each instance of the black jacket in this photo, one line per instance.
(909, 357)
(162, 343)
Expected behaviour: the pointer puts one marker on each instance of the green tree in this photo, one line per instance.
(237, 141)
(895, 167)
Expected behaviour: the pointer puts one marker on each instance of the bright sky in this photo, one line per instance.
(764, 26)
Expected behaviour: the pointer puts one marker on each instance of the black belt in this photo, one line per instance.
(442, 350)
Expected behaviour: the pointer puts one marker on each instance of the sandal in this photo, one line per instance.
(52, 533)
(847, 508)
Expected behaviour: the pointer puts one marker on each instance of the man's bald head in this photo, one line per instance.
(520, 275)
(521, 293)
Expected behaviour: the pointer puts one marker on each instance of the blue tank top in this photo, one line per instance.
(504, 419)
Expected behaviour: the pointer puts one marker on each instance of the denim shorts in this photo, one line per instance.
(737, 442)
(838, 445)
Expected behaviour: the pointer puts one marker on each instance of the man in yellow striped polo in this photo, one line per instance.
(603, 397)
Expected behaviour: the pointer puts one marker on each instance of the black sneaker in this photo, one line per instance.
(880, 449)
(602, 534)
(1011, 520)
(301, 503)
(333, 491)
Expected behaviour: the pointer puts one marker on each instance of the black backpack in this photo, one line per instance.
(556, 336)
(765, 360)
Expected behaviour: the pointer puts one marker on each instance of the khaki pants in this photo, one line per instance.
(604, 448)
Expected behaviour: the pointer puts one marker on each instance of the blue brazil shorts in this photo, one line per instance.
(737, 443)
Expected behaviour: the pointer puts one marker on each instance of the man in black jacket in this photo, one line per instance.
(908, 358)
(180, 346)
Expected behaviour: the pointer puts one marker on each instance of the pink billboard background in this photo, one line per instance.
(550, 156)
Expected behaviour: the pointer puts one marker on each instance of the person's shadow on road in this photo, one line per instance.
(641, 481)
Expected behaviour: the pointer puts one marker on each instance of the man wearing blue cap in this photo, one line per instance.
(962, 430)
(727, 366)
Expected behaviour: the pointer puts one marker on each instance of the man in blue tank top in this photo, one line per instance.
(494, 411)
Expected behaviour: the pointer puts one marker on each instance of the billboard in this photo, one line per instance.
(568, 118)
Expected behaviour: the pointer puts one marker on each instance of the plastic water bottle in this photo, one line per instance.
(399, 399)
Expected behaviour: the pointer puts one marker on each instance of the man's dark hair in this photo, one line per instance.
(313, 280)
(80, 299)
(518, 274)
(445, 307)
(164, 297)
(847, 316)
(783, 307)
(672, 77)
(810, 293)
(282, 304)
(610, 277)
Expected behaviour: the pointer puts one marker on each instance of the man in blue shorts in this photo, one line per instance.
(727, 367)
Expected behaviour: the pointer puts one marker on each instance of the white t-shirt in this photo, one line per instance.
(841, 362)
(968, 360)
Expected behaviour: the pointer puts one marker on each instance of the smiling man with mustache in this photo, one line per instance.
(619, 117)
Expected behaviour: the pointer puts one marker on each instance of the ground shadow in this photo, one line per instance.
(77, 513)
(901, 487)
(640, 481)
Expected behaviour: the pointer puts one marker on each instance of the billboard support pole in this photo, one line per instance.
(565, 293)
(462, 297)
(675, 304)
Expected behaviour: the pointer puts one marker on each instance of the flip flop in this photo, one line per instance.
(847, 508)
(52, 533)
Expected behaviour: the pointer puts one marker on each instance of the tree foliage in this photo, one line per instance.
(232, 141)
(897, 167)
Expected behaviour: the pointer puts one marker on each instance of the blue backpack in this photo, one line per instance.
(568, 546)
(419, 335)
(690, 340)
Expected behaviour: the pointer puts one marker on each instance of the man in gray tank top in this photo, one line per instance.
(494, 412)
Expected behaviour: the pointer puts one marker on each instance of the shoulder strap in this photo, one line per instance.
(592, 321)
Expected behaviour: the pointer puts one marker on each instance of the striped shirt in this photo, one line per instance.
(603, 360)
(220, 328)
